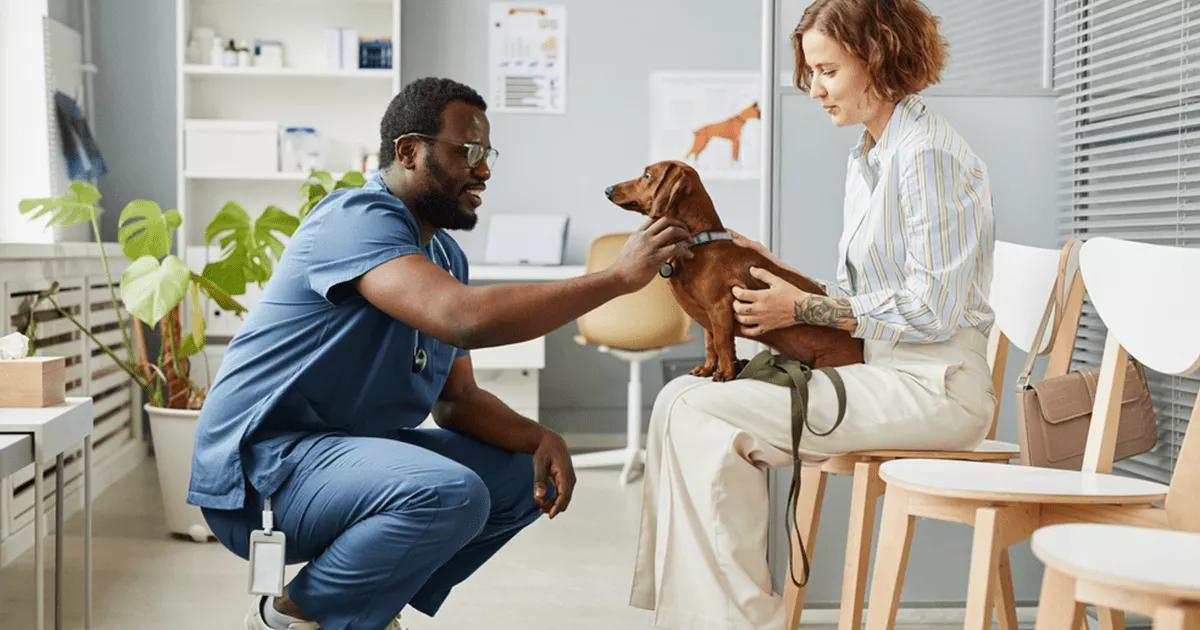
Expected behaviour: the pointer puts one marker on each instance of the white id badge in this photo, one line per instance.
(267, 553)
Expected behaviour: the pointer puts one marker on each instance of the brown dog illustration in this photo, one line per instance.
(703, 285)
(730, 129)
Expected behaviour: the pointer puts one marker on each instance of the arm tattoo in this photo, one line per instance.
(825, 311)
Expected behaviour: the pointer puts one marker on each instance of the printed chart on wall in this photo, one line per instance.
(709, 120)
(528, 58)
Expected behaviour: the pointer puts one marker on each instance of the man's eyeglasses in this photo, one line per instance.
(476, 153)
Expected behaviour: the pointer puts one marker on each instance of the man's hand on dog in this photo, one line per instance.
(654, 243)
(552, 461)
(759, 312)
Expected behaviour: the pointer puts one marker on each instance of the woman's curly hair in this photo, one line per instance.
(898, 40)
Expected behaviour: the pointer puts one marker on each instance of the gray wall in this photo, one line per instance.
(550, 164)
(560, 164)
(134, 48)
(1015, 136)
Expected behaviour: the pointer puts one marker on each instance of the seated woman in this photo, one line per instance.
(914, 268)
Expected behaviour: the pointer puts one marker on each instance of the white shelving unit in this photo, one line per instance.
(343, 105)
(302, 73)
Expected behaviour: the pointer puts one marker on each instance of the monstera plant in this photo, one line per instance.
(153, 287)
(156, 283)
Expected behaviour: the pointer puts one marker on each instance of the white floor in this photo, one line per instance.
(570, 573)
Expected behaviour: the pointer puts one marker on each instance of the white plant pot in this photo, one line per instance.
(174, 433)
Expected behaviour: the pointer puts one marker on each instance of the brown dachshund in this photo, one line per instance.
(703, 285)
(730, 129)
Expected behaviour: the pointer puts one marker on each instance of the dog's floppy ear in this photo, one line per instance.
(676, 186)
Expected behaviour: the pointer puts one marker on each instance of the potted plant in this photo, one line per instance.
(154, 289)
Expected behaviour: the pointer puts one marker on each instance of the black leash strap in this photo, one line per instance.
(795, 375)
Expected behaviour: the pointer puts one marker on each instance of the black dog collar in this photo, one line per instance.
(703, 238)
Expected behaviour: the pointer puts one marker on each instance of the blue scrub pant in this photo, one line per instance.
(388, 522)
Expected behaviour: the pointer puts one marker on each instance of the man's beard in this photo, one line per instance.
(439, 208)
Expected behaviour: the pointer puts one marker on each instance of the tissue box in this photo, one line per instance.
(33, 382)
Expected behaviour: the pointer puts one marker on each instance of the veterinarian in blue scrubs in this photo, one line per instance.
(914, 271)
(361, 333)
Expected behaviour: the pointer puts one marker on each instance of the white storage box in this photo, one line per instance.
(231, 146)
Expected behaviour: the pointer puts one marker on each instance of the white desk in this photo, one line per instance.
(511, 372)
(53, 430)
(525, 273)
(16, 452)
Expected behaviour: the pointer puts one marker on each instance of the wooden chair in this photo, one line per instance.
(1022, 282)
(1149, 571)
(636, 327)
(1141, 291)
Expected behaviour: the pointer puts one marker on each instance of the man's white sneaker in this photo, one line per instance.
(255, 621)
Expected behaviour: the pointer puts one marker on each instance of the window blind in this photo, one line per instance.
(1126, 75)
(995, 47)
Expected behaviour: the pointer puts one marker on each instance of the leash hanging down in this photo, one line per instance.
(795, 375)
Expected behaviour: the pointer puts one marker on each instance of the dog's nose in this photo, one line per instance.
(609, 191)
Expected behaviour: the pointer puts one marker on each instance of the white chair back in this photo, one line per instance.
(1147, 297)
(1023, 278)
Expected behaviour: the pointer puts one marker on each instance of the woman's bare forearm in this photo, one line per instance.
(820, 310)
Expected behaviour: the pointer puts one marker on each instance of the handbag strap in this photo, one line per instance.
(1036, 346)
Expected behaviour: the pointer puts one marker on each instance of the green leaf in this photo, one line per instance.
(324, 178)
(194, 342)
(315, 195)
(352, 179)
(229, 273)
(85, 192)
(145, 230)
(189, 347)
(248, 249)
(78, 205)
(274, 219)
(232, 223)
(197, 310)
(221, 297)
(150, 290)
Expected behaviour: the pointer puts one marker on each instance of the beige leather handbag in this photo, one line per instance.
(1053, 416)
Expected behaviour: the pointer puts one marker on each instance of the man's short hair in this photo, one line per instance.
(897, 40)
(418, 109)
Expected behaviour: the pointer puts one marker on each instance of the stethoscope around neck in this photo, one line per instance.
(420, 358)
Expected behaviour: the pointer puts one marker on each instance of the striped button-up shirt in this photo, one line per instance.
(915, 257)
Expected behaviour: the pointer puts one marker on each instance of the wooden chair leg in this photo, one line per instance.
(1177, 618)
(1057, 607)
(985, 552)
(1004, 601)
(1111, 619)
(808, 516)
(891, 560)
(867, 488)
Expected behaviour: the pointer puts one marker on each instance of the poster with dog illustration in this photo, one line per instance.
(711, 120)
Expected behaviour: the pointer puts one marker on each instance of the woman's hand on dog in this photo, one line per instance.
(741, 241)
(760, 311)
(654, 243)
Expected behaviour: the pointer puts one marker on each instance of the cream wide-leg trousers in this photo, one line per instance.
(701, 558)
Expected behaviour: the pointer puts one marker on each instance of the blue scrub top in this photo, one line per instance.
(314, 358)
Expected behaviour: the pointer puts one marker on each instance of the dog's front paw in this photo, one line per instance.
(722, 375)
(704, 370)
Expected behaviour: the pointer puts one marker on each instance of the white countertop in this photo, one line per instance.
(36, 251)
(525, 273)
